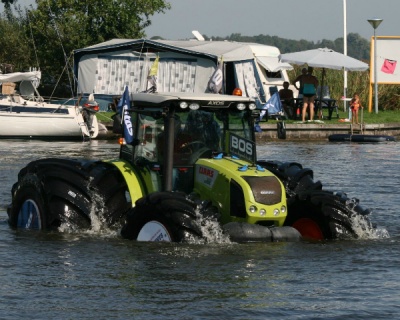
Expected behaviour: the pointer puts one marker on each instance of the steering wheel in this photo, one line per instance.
(193, 145)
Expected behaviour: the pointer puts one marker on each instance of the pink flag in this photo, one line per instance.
(389, 66)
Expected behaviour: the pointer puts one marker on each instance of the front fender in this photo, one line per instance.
(136, 180)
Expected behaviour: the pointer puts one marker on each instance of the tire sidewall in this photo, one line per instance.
(28, 206)
(151, 226)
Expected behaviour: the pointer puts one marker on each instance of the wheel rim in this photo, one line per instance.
(29, 216)
(309, 229)
(154, 231)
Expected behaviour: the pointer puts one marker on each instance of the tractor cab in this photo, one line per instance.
(173, 131)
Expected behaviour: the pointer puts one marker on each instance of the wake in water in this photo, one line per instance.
(212, 231)
(364, 229)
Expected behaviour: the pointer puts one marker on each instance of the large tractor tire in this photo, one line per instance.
(30, 213)
(326, 215)
(60, 186)
(162, 216)
(109, 186)
(70, 193)
(294, 177)
(315, 213)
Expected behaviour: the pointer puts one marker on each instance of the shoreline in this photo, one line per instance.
(303, 131)
(321, 131)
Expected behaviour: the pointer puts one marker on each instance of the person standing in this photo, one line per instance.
(310, 84)
(300, 80)
(298, 84)
(355, 105)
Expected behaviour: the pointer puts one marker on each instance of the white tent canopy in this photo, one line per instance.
(324, 58)
(183, 66)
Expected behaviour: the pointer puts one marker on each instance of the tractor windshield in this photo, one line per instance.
(197, 133)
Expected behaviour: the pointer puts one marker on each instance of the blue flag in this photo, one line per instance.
(273, 105)
(123, 105)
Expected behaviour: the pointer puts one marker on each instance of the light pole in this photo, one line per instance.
(375, 22)
(345, 53)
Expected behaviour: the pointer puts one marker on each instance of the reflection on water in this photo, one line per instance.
(101, 276)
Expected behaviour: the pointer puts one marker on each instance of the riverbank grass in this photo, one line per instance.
(387, 116)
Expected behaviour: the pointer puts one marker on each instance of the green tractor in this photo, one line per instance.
(185, 160)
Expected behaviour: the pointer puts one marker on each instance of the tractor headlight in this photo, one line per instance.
(276, 212)
(241, 106)
(252, 106)
(263, 212)
(183, 105)
(283, 209)
(253, 209)
(194, 106)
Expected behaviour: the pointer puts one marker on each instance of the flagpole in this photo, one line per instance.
(345, 53)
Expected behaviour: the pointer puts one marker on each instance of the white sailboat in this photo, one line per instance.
(24, 114)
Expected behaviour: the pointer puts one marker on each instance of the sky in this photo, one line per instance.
(312, 20)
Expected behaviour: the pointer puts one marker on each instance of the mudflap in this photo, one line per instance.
(242, 232)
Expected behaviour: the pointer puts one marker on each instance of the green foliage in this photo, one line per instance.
(49, 33)
(357, 82)
(105, 116)
(388, 116)
(60, 26)
(46, 36)
(14, 45)
(357, 47)
(7, 5)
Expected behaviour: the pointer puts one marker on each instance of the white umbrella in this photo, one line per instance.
(324, 58)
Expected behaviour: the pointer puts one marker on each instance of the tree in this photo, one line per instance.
(60, 26)
(358, 47)
(8, 3)
(14, 46)
(7, 8)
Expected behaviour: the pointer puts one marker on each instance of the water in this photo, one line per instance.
(98, 275)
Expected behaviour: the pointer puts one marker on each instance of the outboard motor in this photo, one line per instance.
(89, 109)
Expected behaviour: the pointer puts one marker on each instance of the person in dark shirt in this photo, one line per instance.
(286, 96)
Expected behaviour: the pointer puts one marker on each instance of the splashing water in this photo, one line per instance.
(211, 230)
(360, 223)
(98, 224)
(364, 229)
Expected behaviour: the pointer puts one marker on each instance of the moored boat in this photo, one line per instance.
(360, 138)
(25, 114)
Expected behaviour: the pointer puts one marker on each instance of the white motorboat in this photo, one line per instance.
(24, 114)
